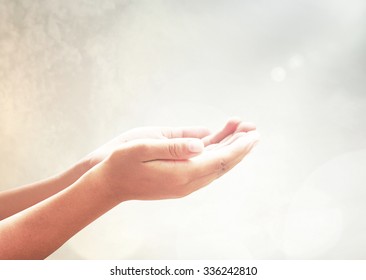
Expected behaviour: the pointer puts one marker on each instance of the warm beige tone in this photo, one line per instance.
(74, 74)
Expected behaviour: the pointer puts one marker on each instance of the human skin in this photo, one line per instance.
(144, 164)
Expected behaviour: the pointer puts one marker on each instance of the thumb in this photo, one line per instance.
(177, 148)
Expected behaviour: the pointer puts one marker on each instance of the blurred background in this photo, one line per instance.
(74, 74)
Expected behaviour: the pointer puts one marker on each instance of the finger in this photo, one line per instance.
(242, 127)
(169, 149)
(245, 127)
(222, 159)
(200, 182)
(227, 141)
(228, 129)
(185, 132)
(205, 180)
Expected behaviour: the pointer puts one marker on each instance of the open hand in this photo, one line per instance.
(173, 163)
(224, 136)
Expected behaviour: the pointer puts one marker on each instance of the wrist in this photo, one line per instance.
(99, 179)
(72, 174)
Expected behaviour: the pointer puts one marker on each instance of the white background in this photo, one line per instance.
(73, 74)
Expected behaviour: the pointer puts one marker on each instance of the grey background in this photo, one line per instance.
(74, 74)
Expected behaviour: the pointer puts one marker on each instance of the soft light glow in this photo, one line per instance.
(278, 74)
(74, 74)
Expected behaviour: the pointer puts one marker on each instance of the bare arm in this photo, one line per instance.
(137, 169)
(41, 229)
(15, 200)
(18, 199)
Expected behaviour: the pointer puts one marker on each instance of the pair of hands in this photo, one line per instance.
(159, 163)
(144, 164)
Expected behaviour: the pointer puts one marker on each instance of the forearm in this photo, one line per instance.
(18, 199)
(41, 229)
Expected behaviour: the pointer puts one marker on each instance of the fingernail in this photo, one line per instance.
(195, 146)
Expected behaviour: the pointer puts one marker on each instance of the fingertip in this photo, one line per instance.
(246, 126)
(231, 126)
(233, 122)
(234, 119)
